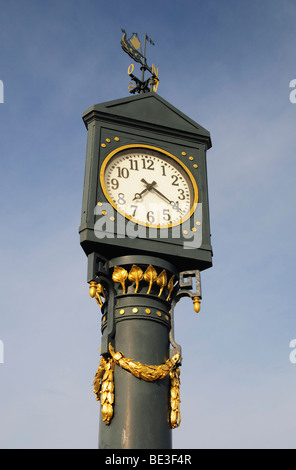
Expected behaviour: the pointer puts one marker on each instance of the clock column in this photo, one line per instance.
(137, 411)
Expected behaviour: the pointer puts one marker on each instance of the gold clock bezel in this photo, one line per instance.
(161, 151)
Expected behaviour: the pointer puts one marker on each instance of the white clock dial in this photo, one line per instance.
(149, 186)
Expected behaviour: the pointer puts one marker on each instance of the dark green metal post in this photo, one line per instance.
(141, 418)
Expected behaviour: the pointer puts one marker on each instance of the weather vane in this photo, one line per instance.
(132, 46)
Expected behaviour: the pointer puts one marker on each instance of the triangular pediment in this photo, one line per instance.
(151, 109)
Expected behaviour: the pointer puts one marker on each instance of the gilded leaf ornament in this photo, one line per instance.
(95, 291)
(120, 275)
(104, 388)
(150, 276)
(161, 281)
(196, 304)
(98, 376)
(175, 415)
(135, 275)
(149, 373)
(170, 286)
(92, 288)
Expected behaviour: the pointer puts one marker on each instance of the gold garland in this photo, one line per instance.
(104, 388)
(175, 415)
(104, 383)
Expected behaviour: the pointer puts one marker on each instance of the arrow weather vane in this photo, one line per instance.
(132, 46)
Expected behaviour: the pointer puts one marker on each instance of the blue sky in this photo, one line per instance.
(227, 65)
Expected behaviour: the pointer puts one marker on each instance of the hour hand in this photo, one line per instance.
(139, 195)
(149, 186)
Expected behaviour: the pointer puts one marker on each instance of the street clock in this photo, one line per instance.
(145, 229)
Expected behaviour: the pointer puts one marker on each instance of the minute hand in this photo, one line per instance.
(162, 195)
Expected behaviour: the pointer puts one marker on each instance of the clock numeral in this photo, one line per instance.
(134, 165)
(175, 178)
(148, 164)
(150, 217)
(114, 183)
(135, 210)
(166, 215)
(163, 170)
(175, 205)
(122, 172)
(121, 199)
(181, 194)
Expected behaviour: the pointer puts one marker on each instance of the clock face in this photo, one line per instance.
(149, 186)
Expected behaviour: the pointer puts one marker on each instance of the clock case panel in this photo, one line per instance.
(145, 119)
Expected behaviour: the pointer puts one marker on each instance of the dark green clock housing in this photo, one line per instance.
(145, 187)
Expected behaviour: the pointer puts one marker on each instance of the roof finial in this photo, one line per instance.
(132, 46)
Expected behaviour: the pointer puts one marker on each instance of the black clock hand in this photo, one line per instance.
(149, 186)
(162, 195)
(172, 203)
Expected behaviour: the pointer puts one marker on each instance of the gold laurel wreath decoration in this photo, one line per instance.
(143, 371)
(104, 382)
(175, 415)
(104, 388)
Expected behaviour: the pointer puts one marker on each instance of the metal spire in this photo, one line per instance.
(132, 46)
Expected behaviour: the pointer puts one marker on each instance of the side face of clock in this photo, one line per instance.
(148, 186)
